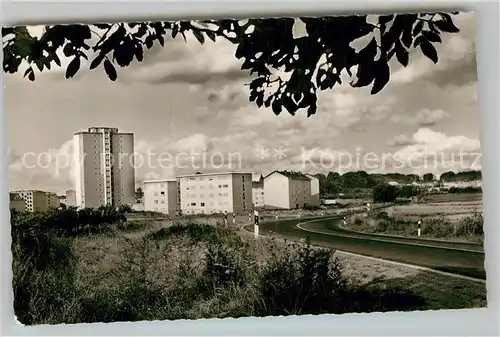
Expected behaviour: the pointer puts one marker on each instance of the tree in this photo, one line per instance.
(428, 177)
(139, 194)
(384, 193)
(313, 62)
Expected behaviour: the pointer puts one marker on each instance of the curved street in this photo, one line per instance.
(454, 257)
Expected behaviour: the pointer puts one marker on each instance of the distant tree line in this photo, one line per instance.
(334, 183)
(390, 193)
(461, 176)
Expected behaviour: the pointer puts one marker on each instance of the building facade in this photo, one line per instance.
(216, 193)
(258, 193)
(71, 198)
(286, 190)
(17, 202)
(53, 200)
(161, 196)
(38, 201)
(315, 195)
(105, 172)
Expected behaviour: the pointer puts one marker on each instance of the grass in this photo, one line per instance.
(158, 271)
(467, 228)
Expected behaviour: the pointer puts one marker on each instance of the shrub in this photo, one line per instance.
(384, 193)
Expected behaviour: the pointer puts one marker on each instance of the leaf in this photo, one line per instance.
(402, 56)
(73, 67)
(431, 36)
(418, 28)
(57, 60)
(110, 70)
(407, 38)
(211, 35)
(199, 36)
(29, 70)
(161, 40)
(96, 62)
(68, 49)
(139, 54)
(382, 77)
(312, 109)
(31, 76)
(446, 24)
(364, 74)
(429, 50)
(276, 106)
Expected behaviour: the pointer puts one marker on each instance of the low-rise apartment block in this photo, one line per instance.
(36, 201)
(315, 198)
(216, 193)
(161, 196)
(258, 193)
(286, 190)
(16, 202)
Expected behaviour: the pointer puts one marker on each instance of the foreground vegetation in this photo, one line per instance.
(467, 228)
(183, 271)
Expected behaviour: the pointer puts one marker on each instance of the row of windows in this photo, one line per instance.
(209, 195)
(209, 186)
(203, 204)
(209, 178)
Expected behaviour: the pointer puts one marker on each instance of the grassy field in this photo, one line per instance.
(451, 197)
(448, 216)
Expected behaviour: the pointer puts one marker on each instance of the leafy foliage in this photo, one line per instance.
(266, 47)
(63, 222)
(428, 177)
(461, 176)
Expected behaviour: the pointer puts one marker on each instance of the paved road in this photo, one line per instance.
(458, 258)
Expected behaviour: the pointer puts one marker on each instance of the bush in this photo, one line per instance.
(384, 193)
(308, 207)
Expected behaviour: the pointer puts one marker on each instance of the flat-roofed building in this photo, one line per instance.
(216, 193)
(36, 201)
(104, 165)
(161, 196)
(16, 202)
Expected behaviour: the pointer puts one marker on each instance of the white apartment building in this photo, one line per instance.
(215, 193)
(286, 190)
(105, 172)
(258, 193)
(38, 201)
(161, 196)
(70, 198)
(315, 198)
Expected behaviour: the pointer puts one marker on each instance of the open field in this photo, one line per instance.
(459, 220)
(452, 197)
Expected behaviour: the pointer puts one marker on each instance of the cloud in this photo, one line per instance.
(456, 57)
(400, 140)
(423, 117)
(52, 169)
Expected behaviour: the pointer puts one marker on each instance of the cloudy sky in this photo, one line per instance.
(187, 97)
